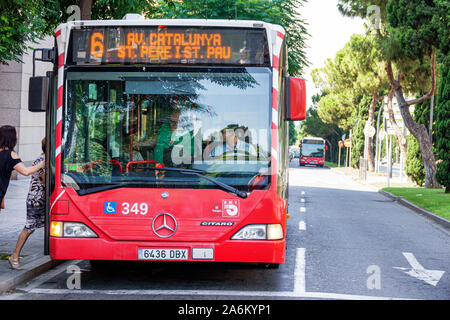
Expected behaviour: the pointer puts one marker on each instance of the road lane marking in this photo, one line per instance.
(216, 293)
(298, 291)
(299, 272)
(302, 200)
(302, 226)
(302, 209)
(418, 271)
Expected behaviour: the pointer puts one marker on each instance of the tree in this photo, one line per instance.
(359, 118)
(314, 126)
(21, 24)
(417, 30)
(292, 133)
(337, 108)
(282, 12)
(27, 21)
(361, 8)
(336, 81)
(443, 127)
(412, 33)
(371, 78)
(24, 22)
(355, 71)
(414, 163)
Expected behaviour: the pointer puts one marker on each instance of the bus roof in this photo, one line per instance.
(272, 30)
(312, 138)
(178, 22)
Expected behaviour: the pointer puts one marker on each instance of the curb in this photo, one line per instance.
(30, 270)
(427, 214)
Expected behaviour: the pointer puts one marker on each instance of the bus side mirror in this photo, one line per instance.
(295, 99)
(38, 94)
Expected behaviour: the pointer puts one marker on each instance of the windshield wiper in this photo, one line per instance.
(202, 174)
(198, 173)
(107, 187)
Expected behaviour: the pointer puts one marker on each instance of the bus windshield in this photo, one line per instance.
(119, 126)
(312, 150)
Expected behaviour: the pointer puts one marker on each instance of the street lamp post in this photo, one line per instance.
(378, 138)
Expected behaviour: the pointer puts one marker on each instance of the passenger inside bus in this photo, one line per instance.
(167, 138)
(131, 150)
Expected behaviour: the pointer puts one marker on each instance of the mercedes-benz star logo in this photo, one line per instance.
(165, 195)
(164, 225)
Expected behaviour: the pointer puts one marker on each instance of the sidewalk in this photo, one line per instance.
(377, 181)
(12, 220)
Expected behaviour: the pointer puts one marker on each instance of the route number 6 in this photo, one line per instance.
(136, 208)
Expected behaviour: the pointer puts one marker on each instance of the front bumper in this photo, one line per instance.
(264, 251)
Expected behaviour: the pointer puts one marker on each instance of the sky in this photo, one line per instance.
(329, 32)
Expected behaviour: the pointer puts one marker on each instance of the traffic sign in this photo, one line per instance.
(341, 144)
(348, 143)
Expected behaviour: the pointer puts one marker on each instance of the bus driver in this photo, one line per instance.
(232, 144)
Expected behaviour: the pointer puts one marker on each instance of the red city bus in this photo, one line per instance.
(168, 140)
(312, 151)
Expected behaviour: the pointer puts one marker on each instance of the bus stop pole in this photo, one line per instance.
(339, 157)
(389, 167)
(366, 151)
(350, 155)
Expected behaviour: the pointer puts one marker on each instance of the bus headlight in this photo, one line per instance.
(259, 232)
(71, 230)
(78, 230)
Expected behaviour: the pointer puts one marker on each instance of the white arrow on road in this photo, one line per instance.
(418, 271)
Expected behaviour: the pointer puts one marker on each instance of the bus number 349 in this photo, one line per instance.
(136, 208)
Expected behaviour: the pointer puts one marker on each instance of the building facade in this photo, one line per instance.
(14, 81)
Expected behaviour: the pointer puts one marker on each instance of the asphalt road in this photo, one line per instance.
(344, 241)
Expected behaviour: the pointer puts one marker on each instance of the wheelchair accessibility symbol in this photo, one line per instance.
(110, 207)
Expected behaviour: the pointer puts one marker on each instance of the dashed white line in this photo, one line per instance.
(299, 272)
(302, 226)
(302, 209)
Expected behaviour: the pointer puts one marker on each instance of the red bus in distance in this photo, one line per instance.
(312, 151)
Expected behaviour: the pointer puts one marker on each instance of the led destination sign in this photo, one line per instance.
(170, 45)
